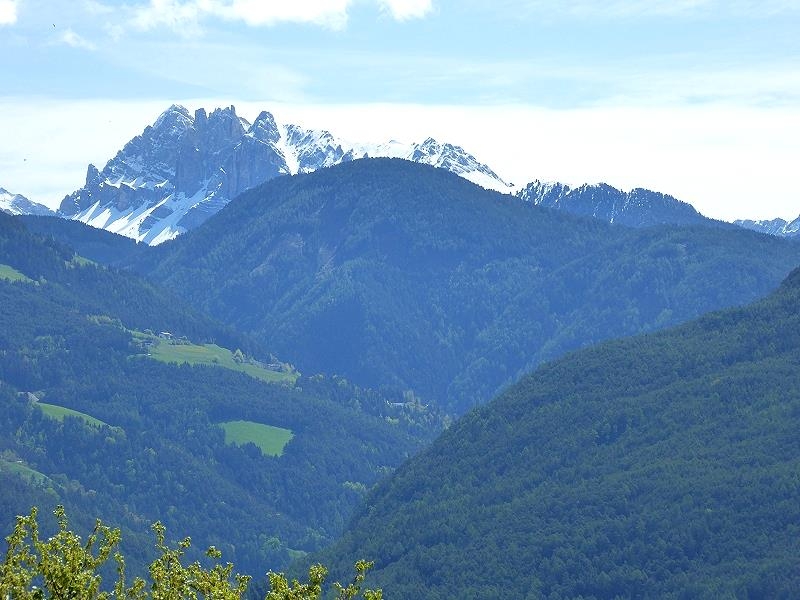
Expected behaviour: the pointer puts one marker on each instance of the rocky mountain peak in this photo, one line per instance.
(92, 175)
(264, 128)
(185, 167)
(176, 118)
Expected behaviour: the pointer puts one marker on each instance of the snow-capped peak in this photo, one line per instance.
(17, 204)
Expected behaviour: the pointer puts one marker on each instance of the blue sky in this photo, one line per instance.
(697, 98)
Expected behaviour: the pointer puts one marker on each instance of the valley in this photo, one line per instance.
(560, 393)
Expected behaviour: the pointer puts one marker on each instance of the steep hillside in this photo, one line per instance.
(389, 272)
(660, 466)
(101, 414)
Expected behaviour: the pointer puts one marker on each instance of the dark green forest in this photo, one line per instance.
(160, 454)
(393, 273)
(659, 466)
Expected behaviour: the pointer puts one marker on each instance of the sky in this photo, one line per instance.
(699, 99)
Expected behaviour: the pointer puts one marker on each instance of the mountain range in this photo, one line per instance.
(779, 227)
(637, 208)
(186, 167)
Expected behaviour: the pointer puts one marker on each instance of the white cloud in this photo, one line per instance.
(328, 13)
(8, 12)
(407, 9)
(70, 38)
(186, 15)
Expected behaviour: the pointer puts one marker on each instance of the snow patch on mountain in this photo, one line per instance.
(17, 204)
(778, 227)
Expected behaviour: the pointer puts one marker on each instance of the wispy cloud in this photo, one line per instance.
(8, 12)
(75, 40)
(238, 72)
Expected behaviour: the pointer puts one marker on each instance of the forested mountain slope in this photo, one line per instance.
(89, 418)
(659, 466)
(98, 245)
(389, 272)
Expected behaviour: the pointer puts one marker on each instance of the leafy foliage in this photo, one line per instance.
(393, 273)
(660, 466)
(66, 567)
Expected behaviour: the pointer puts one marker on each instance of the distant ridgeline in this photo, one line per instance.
(660, 466)
(96, 413)
(394, 273)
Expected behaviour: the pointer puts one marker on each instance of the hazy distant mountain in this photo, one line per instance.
(637, 208)
(17, 204)
(184, 168)
(779, 227)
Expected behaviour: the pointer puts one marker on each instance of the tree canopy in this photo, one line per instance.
(65, 567)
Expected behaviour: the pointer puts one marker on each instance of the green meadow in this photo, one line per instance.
(213, 355)
(59, 412)
(270, 439)
(11, 274)
(23, 470)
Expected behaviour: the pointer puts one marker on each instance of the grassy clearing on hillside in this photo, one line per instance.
(11, 274)
(213, 355)
(80, 261)
(270, 439)
(20, 469)
(59, 412)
